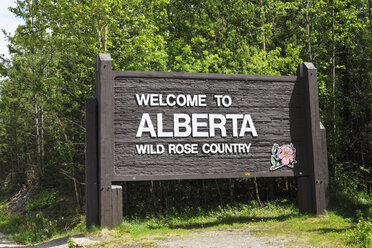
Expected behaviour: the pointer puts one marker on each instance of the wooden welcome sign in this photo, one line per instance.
(166, 125)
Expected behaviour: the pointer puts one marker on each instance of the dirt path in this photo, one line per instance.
(80, 241)
(222, 239)
(230, 238)
(6, 243)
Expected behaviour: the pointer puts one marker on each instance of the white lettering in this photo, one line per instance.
(226, 101)
(150, 149)
(213, 125)
(146, 126)
(197, 124)
(161, 133)
(143, 100)
(234, 120)
(170, 102)
(218, 100)
(177, 125)
(225, 148)
(248, 126)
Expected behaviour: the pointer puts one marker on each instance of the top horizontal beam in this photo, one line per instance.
(209, 76)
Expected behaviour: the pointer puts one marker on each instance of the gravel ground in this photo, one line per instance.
(222, 239)
(231, 238)
(80, 241)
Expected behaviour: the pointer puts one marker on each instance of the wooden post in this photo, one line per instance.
(313, 190)
(91, 169)
(322, 174)
(108, 195)
(117, 204)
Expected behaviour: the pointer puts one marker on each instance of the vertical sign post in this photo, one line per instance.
(91, 170)
(167, 126)
(110, 196)
(314, 189)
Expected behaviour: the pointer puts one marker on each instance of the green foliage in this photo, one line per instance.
(42, 100)
(42, 201)
(45, 216)
(361, 234)
(51, 72)
(349, 201)
(71, 243)
(29, 228)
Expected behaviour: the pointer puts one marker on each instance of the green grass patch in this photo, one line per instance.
(43, 220)
(361, 234)
(274, 219)
(325, 230)
(28, 228)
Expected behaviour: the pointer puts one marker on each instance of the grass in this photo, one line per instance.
(337, 228)
(34, 228)
(275, 219)
(41, 220)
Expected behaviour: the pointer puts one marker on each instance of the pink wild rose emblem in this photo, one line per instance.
(284, 155)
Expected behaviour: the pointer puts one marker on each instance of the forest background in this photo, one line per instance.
(50, 74)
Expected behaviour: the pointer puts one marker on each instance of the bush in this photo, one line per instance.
(361, 235)
(36, 228)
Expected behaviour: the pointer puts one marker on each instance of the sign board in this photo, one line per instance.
(182, 126)
(166, 125)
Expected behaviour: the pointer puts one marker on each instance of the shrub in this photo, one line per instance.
(361, 235)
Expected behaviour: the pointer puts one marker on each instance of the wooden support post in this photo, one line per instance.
(117, 204)
(108, 194)
(313, 190)
(304, 191)
(91, 169)
(322, 174)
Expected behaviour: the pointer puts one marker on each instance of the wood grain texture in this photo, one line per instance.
(91, 166)
(313, 190)
(117, 204)
(275, 105)
(104, 96)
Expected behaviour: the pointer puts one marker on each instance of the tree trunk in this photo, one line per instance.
(42, 139)
(308, 28)
(37, 138)
(164, 187)
(334, 92)
(218, 191)
(77, 196)
(262, 25)
(204, 195)
(231, 187)
(257, 193)
(125, 197)
(153, 196)
(370, 13)
(286, 186)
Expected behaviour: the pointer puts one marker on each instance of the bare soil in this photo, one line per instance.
(230, 238)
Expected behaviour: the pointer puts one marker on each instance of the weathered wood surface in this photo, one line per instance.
(117, 204)
(91, 166)
(104, 96)
(313, 189)
(284, 110)
(276, 107)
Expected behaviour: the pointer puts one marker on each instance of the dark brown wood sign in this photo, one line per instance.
(165, 125)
